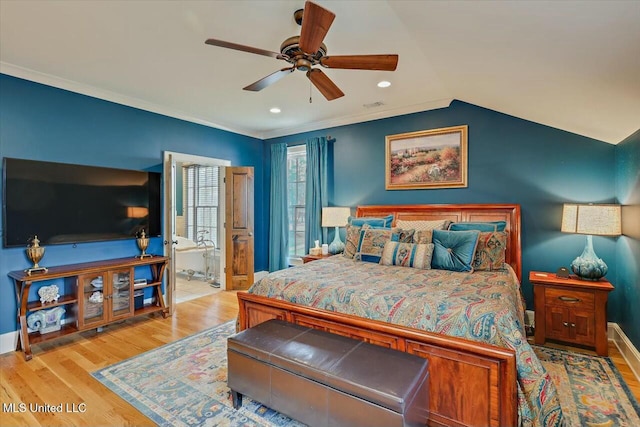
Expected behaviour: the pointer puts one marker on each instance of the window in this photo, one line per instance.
(200, 202)
(296, 182)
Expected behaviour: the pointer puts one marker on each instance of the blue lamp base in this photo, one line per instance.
(336, 246)
(588, 266)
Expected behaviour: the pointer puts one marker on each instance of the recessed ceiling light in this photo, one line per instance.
(384, 83)
(275, 110)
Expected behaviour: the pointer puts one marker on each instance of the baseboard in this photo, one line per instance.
(625, 346)
(8, 342)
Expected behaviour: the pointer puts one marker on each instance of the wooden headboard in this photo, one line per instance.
(460, 213)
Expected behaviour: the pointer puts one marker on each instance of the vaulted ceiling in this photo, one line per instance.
(573, 65)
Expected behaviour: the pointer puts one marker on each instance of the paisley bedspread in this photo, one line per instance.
(480, 306)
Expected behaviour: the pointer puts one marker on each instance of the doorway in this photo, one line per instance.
(194, 212)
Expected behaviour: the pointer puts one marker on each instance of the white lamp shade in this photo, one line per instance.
(335, 216)
(603, 220)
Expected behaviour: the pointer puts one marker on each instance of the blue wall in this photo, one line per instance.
(39, 122)
(627, 283)
(510, 161)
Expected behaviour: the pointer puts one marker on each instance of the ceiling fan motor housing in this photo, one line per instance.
(290, 48)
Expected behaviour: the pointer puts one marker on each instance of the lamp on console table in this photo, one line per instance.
(335, 217)
(590, 219)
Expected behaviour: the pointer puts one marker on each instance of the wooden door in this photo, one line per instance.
(239, 228)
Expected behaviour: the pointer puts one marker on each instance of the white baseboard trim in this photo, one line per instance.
(8, 342)
(625, 346)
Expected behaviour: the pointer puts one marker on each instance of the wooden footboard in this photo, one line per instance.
(471, 384)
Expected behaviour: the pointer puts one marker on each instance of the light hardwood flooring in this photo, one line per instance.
(60, 371)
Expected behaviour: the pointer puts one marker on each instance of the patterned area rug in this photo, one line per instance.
(184, 384)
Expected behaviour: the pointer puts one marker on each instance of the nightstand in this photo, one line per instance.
(308, 258)
(570, 310)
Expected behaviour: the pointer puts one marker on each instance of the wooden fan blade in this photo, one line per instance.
(269, 80)
(361, 62)
(316, 21)
(324, 84)
(242, 48)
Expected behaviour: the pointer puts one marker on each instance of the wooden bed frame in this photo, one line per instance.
(471, 383)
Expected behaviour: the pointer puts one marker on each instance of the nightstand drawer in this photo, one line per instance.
(569, 298)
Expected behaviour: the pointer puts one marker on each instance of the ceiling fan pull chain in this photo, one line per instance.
(310, 101)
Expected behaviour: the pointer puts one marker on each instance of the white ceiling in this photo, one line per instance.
(573, 65)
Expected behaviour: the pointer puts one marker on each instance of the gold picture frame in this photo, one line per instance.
(428, 159)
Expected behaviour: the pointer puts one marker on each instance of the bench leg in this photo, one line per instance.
(236, 398)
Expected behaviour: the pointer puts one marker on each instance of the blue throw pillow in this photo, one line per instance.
(454, 250)
(374, 222)
(479, 226)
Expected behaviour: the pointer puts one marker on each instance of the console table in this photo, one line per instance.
(93, 294)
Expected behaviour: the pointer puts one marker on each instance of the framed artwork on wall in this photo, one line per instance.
(427, 159)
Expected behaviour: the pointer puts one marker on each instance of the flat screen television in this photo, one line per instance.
(64, 203)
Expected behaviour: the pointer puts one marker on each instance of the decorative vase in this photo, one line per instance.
(143, 244)
(35, 252)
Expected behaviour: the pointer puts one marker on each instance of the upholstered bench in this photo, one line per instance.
(323, 379)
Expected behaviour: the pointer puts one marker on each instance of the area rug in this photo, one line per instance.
(184, 384)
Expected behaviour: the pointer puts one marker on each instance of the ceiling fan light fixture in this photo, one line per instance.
(384, 83)
(275, 110)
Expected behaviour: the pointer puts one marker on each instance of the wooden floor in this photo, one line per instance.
(60, 371)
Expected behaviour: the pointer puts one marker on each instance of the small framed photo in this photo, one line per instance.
(427, 159)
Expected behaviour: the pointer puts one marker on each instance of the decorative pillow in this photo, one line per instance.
(490, 253)
(479, 226)
(374, 222)
(403, 236)
(423, 236)
(371, 244)
(407, 255)
(424, 225)
(352, 237)
(454, 250)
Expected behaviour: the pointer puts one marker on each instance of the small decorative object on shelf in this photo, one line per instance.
(35, 252)
(48, 294)
(143, 244)
(45, 321)
(96, 297)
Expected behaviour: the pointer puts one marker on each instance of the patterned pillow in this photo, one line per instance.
(407, 255)
(352, 237)
(371, 244)
(423, 236)
(454, 250)
(424, 225)
(490, 253)
(374, 222)
(403, 236)
(480, 226)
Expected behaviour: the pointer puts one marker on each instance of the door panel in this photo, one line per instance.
(239, 227)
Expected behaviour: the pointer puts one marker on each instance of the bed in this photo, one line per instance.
(468, 325)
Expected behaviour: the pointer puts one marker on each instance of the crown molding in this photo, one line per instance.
(359, 118)
(94, 92)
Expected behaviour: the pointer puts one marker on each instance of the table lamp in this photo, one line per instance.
(590, 219)
(335, 217)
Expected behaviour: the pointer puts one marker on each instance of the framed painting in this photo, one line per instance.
(427, 159)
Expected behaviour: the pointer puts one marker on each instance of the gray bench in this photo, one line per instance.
(323, 379)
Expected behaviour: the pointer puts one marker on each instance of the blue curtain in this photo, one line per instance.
(316, 191)
(278, 216)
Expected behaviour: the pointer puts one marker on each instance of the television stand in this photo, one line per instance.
(91, 295)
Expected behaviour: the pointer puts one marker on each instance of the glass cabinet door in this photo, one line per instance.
(91, 288)
(121, 295)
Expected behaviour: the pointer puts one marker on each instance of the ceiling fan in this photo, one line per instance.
(305, 51)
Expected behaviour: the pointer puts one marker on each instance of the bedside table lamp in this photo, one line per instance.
(335, 217)
(590, 219)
